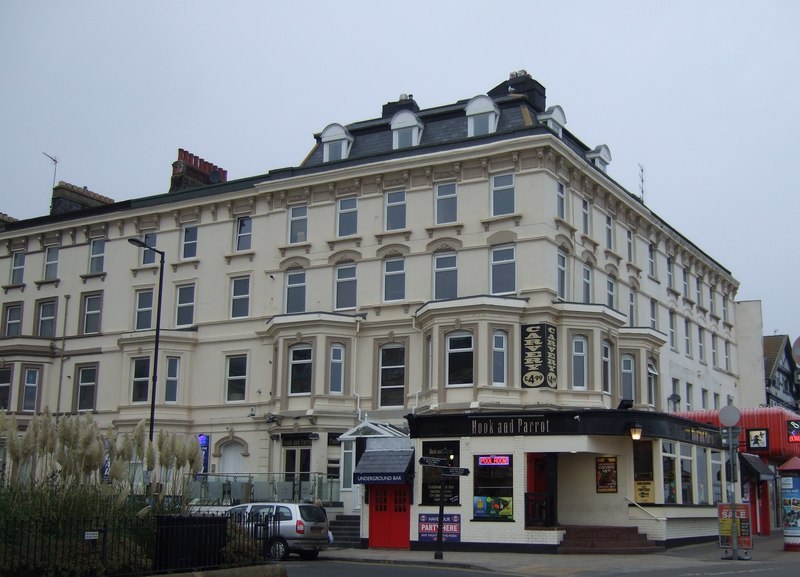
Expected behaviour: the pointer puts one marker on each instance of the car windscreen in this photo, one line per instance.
(312, 514)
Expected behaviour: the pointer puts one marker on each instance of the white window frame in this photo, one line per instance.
(300, 364)
(629, 240)
(239, 379)
(673, 339)
(17, 267)
(670, 273)
(714, 351)
(628, 377)
(587, 282)
(388, 368)
(12, 320)
(452, 351)
(653, 314)
(611, 292)
(189, 237)
(346, 287)
(579, 377)
(499, 358)
(395, 214)
(503, 258)
(701, 345)
(687, 337)
(561, 201)
(86, 381)
(444, 273)
(50, 271)
(479, 108)
(172, 379)
(651, 260)
(295, 285)
(244, 234)
(87, 313)
(97, 253)
(610, 232)
(633, 309)
(240, 293)
(501, 192)
(45, 318)
(446, 203)
(406, 123)
(586, 217)
(347, 211)
(394, 279)
(561, 275)
(336, 362)
(182, 305)
(31, 387)
(607, 366)
(140, 381)
(298, 223)
(148, 257)
(141, 309)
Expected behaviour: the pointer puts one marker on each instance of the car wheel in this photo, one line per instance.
(309, 555)
(278, 550)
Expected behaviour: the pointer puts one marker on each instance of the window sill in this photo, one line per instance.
(633, 269)
(8, 287)
(654, 279)
(295, 247)
(611, 255)
(401, 233)
(343, 240)
(492, 520)
(671, 291)
(589, 243)
(53, 281)
(445, 227)
(514, 217)
(144, 269)
(561, 223)
(248, 254)
(193, 262)
(100, 275)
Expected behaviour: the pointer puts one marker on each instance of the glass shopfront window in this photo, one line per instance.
(703, 496)
(687, 494)
(643, 472)
(668, 451)
(717, 486)
(493, 487)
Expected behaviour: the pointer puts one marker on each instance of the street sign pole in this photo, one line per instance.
(438, 554)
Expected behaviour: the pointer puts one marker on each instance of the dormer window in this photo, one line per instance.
(482, 116)
(336, 143)
(600, 157)
(406, 130)
(554, 118)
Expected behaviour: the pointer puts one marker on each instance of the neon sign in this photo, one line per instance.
(494, 461)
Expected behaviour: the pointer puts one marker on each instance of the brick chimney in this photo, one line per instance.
(522, 84)
(70, 198)
(191, 171)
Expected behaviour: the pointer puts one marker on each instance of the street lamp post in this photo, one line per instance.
(140, 243)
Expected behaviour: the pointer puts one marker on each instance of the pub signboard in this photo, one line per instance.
(539, 356)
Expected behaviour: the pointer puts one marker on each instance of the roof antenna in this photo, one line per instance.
(641, 181)
(55, 166)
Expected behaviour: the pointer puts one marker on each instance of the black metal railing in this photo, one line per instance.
(131, 546)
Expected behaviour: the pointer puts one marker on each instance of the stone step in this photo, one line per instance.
(606, 540)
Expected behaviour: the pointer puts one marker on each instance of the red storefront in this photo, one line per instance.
(764, 445)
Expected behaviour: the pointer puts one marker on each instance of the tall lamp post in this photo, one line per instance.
(140, 243)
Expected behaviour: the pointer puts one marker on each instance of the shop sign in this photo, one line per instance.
(645, 492)
(539, 356)
(757, 439)
(793, 429)
(429, 527)
(606, 474)
(743, 537)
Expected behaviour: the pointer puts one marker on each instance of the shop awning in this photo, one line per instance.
(754, 468)
(384, 467)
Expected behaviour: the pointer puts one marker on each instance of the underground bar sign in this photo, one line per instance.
(539, 356)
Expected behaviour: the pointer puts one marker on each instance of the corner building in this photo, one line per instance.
(469, 273)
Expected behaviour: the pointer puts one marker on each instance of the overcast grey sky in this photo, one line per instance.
(704, 94)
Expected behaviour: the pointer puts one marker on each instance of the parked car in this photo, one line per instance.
(300, 528)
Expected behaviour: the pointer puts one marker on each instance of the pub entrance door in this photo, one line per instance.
(540, 492)
(389, 517)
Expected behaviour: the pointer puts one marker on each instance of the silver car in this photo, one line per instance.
(299, 528)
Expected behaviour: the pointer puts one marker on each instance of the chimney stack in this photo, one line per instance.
(191, 171)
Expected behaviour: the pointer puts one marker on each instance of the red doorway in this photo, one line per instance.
(389, 517)
(540, 494)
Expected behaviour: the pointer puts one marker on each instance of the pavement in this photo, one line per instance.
(765, 548)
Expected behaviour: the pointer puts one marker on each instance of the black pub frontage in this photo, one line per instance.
(535, 474)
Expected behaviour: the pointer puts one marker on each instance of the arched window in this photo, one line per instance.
(579, 352)
(406, 130)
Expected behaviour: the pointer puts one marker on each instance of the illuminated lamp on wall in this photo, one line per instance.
(636, 431)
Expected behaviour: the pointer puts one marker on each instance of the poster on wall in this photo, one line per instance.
(645, 492)
(790, 498)
(539, 356)
(606, 474)
(429, 527)
(492, 507)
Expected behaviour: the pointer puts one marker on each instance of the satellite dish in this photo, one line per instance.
(729, 416)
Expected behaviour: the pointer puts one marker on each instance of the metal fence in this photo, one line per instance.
(232, 488)
(130, 546)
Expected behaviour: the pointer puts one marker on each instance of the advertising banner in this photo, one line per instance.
(429, 527)
(606, 474)
(743, 536)
(492, 507)
(539, 356)
(790, 497)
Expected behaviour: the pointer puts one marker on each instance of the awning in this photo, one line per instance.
(754, 468)
(384, 467)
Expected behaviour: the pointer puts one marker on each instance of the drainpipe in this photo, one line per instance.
(61, 364)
